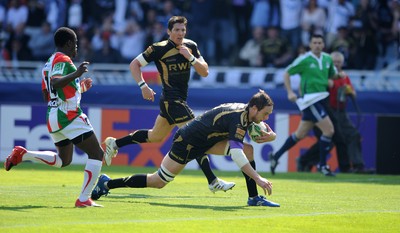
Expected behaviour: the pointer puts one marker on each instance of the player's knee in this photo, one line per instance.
(154, 137)
(154, 181)
(97, 156)
(66, 161)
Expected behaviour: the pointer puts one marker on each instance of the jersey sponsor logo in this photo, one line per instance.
(52, 103)
(178, 67)
(181, 119)
(312, 65)
(58, 68)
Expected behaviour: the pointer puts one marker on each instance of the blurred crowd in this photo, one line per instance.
(256, 33)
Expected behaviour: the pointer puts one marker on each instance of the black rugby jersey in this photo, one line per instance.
(227, 121)
(174, 68)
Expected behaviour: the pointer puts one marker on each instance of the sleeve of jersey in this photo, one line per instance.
(295, 66)
(147, 56)
(195, 51)
(141, 60)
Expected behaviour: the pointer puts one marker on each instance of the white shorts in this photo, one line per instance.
(78, 126)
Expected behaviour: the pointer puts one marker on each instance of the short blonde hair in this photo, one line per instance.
(338, 55)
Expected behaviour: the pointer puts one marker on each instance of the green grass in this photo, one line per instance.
(35, 198)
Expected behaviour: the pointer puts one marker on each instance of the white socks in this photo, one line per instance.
(47, 157)
(92, 171)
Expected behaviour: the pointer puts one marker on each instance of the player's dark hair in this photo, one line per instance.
(62, 36)
(260, 100)
(317, 36)
(176, 19)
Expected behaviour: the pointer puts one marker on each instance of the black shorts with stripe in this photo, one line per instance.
(182, 152)
(175, 111)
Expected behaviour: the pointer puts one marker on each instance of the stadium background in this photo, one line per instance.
(116, 108)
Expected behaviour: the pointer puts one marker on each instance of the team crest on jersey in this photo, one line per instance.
(58, 68)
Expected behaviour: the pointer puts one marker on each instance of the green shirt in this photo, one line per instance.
(314, 72)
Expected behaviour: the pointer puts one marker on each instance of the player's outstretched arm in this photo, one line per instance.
(261, 181)
(240, 159)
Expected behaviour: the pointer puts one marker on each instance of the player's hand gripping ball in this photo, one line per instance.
(255, 130)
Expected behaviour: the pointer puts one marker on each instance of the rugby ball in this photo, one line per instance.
(255, 129)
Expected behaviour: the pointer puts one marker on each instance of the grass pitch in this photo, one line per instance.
(36, 198)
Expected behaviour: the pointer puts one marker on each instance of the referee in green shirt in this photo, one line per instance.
(315, 68)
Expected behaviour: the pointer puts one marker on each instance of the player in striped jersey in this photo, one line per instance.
(66, 122)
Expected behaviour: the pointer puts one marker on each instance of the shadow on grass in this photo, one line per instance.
(150, 201)
(204, 207)
(22, 208)
(146, 196)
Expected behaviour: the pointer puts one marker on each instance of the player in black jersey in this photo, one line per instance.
(219, 131)
(173, 58)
